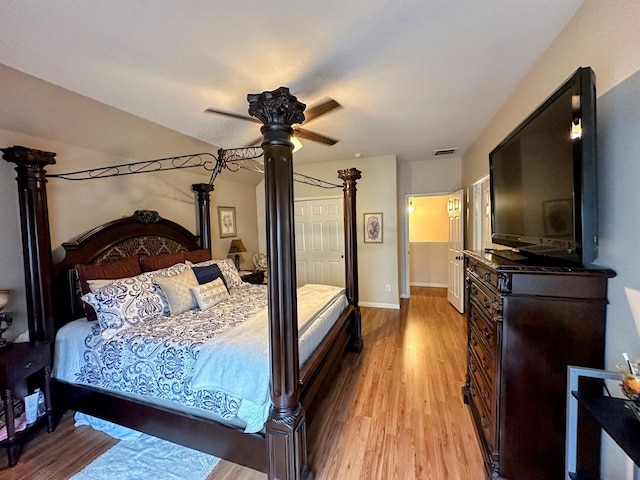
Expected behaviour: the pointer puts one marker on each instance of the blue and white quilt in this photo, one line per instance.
(158, 359)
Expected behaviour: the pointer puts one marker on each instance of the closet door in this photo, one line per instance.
(320, 241)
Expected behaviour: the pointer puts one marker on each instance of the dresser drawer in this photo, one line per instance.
(484, 360)
(485, 417)
(482, 272)
(22, 361)
(485, 297)
(486, 328)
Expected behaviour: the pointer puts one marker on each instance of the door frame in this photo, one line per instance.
(405, 256)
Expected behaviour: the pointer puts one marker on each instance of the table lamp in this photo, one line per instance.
(235, 249)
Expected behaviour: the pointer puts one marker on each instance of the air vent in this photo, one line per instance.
(444, 151)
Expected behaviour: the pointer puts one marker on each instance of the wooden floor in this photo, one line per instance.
(403, 393)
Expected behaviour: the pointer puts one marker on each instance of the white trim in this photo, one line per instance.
(393, 306)
(436, 285)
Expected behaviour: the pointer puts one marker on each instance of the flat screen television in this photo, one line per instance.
(543, 178)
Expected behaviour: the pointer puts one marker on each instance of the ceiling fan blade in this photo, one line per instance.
(233, 115)
(316, 137)
(320, 109)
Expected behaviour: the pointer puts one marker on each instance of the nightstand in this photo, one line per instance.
(257, 276)
(19, 362)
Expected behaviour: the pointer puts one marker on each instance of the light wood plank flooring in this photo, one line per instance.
(394, 412)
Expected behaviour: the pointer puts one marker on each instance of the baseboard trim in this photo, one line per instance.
(392, 306)
(435, 285)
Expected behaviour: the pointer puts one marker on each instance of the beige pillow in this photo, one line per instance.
(209, 294)
(177, 290)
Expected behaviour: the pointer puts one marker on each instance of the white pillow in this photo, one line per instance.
(209, 294)
(97, 284)
(123, 303)
(228, 269)
(177, 290)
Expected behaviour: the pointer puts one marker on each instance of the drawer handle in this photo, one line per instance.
(474, 342)
(483, 421)
(472, 365)
(28, 365)
(487, 333)
(484, 363)
(486, 302)
(487, 276)
(474, 290)
(484, 394)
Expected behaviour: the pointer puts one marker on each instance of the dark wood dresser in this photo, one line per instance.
(526, 323)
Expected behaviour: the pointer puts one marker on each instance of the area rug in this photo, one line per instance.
(147, 457)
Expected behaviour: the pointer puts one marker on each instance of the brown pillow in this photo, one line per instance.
(127, 267)
(197, 256)
(149, 263)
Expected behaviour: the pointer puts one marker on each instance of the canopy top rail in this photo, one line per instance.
(232, 159)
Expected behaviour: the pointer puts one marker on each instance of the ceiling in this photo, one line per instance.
(412, 76)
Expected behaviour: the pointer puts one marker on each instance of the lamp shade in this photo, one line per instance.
(237, 246)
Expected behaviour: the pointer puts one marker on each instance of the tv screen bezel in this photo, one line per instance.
(582, 249)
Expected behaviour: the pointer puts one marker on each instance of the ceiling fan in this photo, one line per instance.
(311, 113)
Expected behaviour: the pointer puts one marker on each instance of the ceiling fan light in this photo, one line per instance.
(297, 144)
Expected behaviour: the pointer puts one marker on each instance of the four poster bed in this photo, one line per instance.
(53, 303)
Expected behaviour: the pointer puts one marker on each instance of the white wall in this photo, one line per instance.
(606, 37)
(428, 264)
(376, 192)
(426, 177)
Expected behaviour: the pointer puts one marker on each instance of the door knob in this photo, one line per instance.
(341, 256)
(460, 257)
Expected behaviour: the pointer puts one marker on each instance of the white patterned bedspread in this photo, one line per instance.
(156, 360)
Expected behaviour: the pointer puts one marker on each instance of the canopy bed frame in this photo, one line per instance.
(281, 451)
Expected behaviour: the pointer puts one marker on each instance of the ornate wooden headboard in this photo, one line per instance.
(143, 233)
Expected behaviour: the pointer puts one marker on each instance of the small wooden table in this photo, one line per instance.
(257, 276)
(18, 362)
(611, 413)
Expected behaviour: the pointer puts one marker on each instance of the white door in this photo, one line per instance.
(455, 259)
(320, 241)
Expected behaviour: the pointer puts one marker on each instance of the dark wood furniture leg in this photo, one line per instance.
(11, 430)
(47, 399)
(286, 426)
(204, 213)
(36, 237)
(349, 178)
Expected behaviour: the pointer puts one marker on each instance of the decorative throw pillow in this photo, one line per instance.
(210, 294)
(127, 267)
(208, 274)
(150, 263)
(228, 269)
(177, 290)
(95, 285)
(124, 303)
(166, 272)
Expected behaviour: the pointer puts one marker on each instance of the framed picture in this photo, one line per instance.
(227, 222)
(373, 228)
(558, 217)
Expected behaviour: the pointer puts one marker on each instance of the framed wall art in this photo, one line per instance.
(373, 228)
(227, 222)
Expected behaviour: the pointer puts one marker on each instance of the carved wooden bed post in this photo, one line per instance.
(349, 178)
(36, 238)
(286, 427)
(204, 213)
